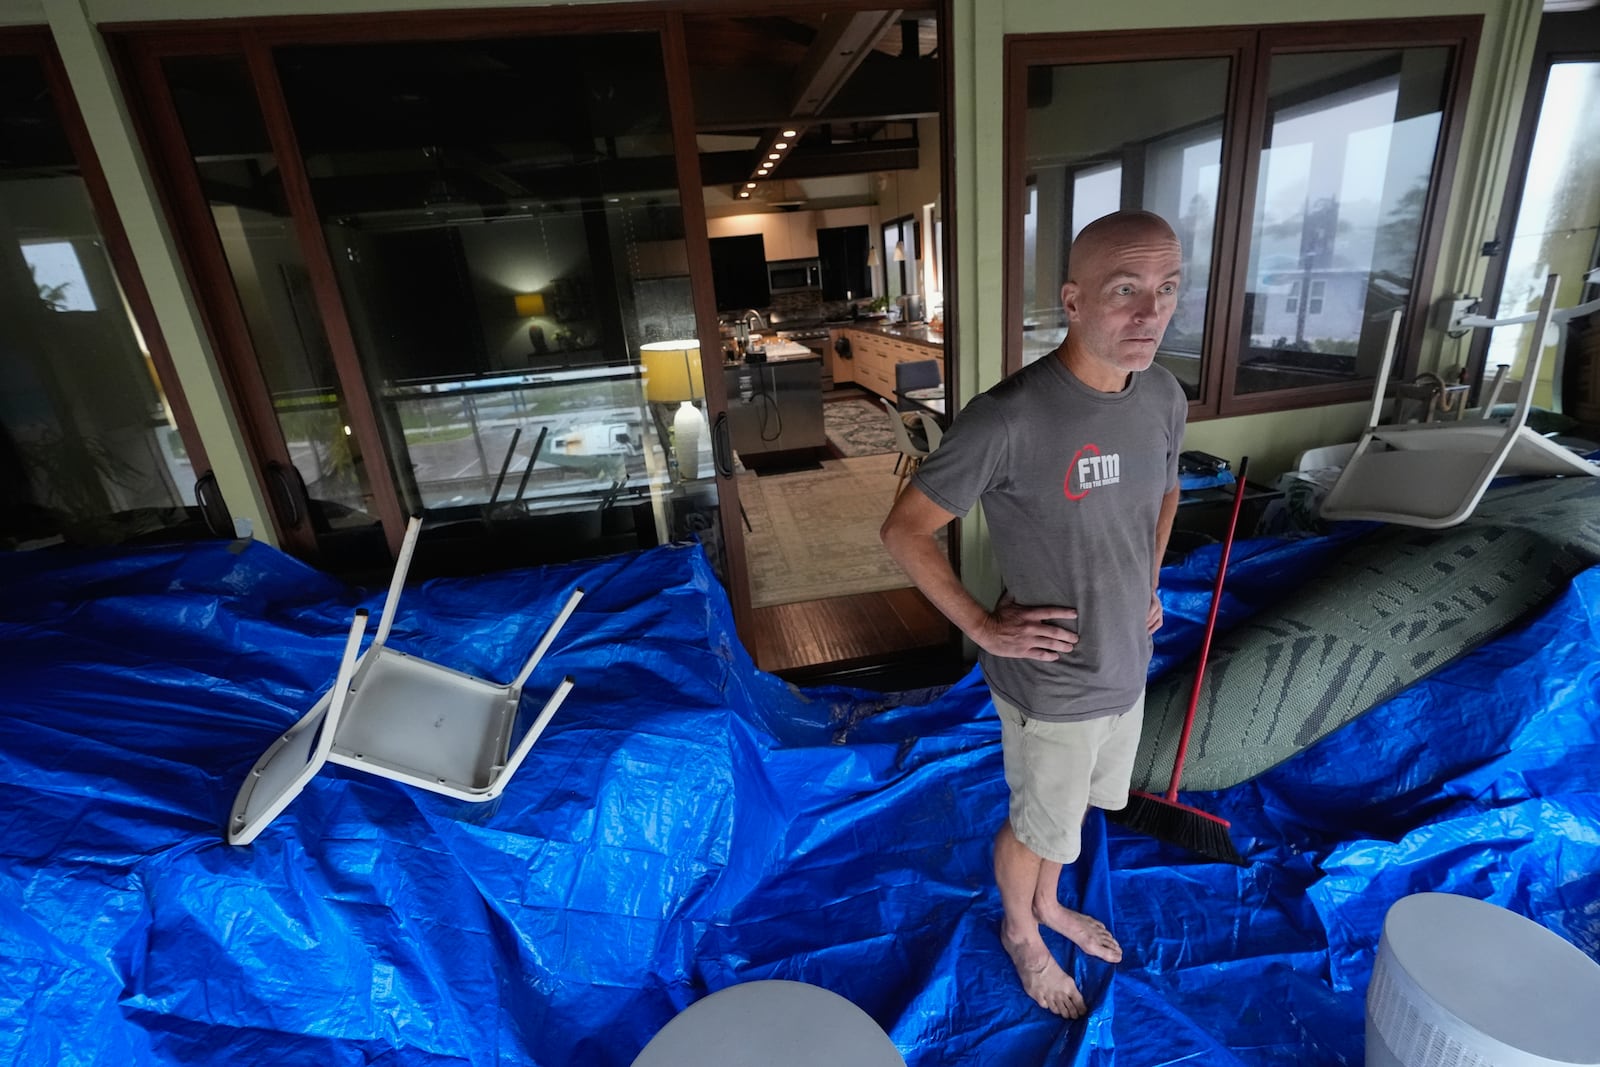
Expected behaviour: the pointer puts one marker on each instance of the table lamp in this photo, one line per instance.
(672, 375)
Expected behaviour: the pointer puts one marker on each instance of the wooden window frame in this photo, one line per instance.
(1250, 51)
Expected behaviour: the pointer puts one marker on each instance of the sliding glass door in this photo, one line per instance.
(460, 274)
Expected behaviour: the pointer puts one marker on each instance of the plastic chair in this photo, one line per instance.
(1432, 474)
(402, 717)
(911, 454)
(916, 374)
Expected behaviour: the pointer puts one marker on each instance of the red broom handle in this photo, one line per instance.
(1211, 625)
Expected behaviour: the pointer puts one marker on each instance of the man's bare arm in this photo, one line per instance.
(1011, 630)
(1169, 511)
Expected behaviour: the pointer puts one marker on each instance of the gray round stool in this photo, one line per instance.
(771, 1024)
(1462, 981)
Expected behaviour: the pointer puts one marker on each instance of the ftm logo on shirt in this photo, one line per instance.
(1090, 470)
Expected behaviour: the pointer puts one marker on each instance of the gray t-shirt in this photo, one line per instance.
(1071, 481)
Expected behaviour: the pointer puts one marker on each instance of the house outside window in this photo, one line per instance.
(1302, 167)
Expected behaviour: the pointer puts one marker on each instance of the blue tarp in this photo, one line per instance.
(687, 823)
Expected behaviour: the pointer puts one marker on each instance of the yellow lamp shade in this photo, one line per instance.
(672, 371)
(530, 304)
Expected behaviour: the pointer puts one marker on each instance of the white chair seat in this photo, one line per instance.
(1433, 474)
(401, 717)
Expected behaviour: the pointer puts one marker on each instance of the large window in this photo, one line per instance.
(1301, 168)
(94, 444)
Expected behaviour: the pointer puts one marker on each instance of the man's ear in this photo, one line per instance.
(1069, 300)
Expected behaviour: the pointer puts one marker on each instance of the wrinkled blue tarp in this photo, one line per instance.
(687, 823)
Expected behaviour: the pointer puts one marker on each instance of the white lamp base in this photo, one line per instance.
(691, 439)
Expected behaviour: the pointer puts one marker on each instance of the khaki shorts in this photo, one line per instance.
(1056, 770)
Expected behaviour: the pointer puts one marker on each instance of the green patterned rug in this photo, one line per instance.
(1401, 603)
(858, 427)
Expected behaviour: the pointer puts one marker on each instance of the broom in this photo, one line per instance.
(1163, 817)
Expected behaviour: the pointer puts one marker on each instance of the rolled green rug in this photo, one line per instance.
(1399, 604)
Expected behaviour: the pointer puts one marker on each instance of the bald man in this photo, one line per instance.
(1075, 460)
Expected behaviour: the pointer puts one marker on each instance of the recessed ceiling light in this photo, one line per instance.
(788, 133)
(749, 185)
(744, 194)
(773, 155)
(781, 144)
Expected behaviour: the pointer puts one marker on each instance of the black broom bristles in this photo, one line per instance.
(1181, 825)
(1163, 817)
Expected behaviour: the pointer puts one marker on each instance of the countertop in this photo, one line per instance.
(921, 335)
(782, 351)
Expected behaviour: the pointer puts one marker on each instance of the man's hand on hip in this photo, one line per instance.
(1017, 632)
(1154, 619)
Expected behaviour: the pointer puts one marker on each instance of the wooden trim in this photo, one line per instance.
(1015, 60)
(118, 248)
(1249, 125)
(325, 288)
(209, 276)
(951, 277)
(697, 241)
(443, 24)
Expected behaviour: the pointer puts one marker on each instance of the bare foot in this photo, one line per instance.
(1085, 931)
(1043, 979)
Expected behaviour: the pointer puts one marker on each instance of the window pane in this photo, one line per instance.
(89, 450)
(1103, 137)
(239, 175)
(504, 219)
(1343, 179)
(1558, 224)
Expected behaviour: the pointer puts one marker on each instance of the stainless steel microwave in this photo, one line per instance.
(794, 275)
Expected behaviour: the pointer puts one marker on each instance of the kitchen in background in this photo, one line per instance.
(821, 158)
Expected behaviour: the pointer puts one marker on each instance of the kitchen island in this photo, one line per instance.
(775, 405)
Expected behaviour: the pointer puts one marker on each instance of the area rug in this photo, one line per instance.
(814, 534)
(858, 427)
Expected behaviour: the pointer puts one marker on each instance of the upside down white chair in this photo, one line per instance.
(401, 717)
(1432, 474)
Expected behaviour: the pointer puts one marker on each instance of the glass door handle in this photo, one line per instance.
(287, 489)
(213, 509)
(722, 446)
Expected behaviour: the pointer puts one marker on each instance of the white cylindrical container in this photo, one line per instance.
(1460, 982)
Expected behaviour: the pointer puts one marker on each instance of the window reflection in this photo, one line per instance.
(243, 185)
(1103, 137)
(503, 219)
(89, 451)
(1341, 188)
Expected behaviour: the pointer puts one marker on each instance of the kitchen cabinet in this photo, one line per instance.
(787, 234)
(876, 355)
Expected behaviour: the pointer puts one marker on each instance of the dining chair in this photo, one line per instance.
(912, 453)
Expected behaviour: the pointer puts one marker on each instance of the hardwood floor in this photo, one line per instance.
(848, 631)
